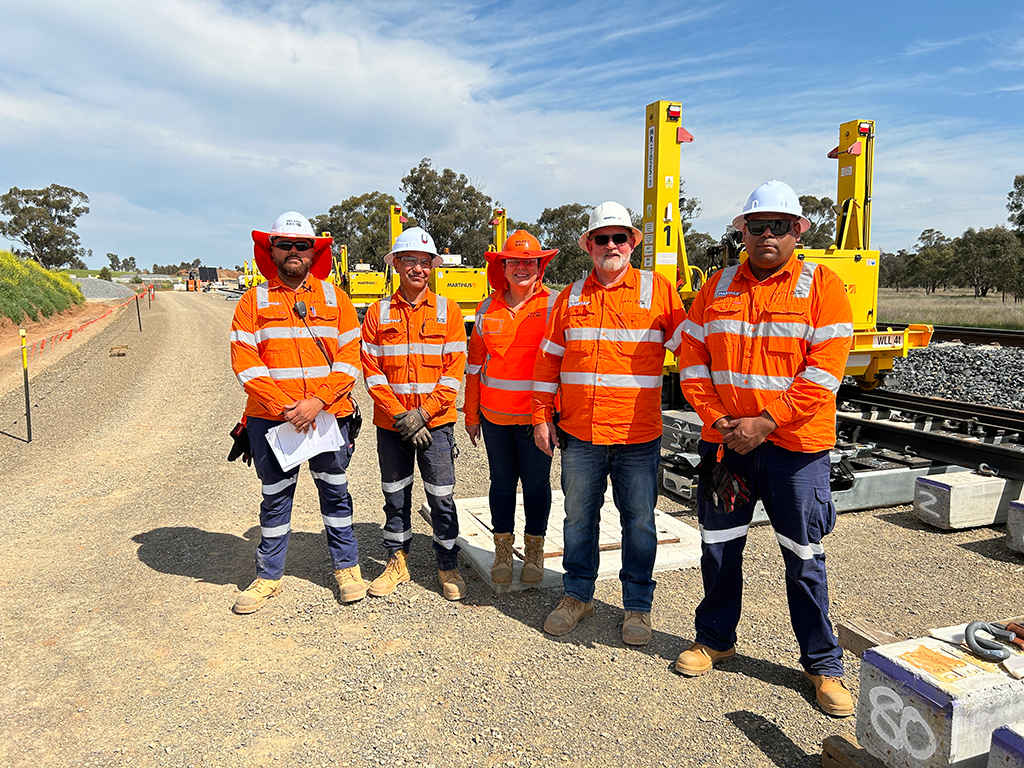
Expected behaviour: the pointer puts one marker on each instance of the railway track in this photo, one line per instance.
(1001, 336)
(966, 434)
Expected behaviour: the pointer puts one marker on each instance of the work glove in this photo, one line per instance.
(719, 484)
(410, 423)
(240, 446)
(422, 439)
(355, 423)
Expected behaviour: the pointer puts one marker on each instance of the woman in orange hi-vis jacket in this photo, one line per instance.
(499, 383)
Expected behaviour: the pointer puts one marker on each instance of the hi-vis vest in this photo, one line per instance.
(275, 356)
(604, 352)
(502, 351)
(778, 346)
(413, 357)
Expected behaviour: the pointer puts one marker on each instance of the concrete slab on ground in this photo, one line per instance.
(678, 543)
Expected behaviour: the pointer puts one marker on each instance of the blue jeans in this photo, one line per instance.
(513, 456)
(795, 490)
(634, 474)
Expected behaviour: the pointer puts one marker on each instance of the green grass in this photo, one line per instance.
(28, 291)
(955, 307)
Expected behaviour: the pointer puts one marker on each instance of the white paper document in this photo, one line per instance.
(292, 447)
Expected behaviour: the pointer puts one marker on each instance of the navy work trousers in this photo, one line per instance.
(794, 488)
(512, 455)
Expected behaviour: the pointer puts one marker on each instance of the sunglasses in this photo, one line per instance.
(412, 261)
(778, 226)
(514, 263)
(287, 245)
(618, 239)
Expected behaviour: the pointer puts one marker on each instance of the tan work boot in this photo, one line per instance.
(351, 586)
(501, 571)
(636, 629)
(834, 697)
(567, 615)
(396, 572)
(698, 659)
(533, 560)
(452, 585)
(256, 595)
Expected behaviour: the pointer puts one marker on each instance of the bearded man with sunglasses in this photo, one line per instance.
(295, 351)
(764, 351)
(603, 353)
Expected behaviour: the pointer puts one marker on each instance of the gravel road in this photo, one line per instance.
(128, 535)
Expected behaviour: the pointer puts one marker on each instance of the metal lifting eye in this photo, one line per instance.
(984, 648)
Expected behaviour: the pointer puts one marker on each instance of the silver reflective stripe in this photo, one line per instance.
(473, 370)
(750, 381)
(720, 537)
(376, 381)
(676, 340)
(829, 332)
(399, 537)
(412, 388)
(442, 310)
(297, 332)
(448, 381)
(694, 372)
(404, 350)
(509, 385)
(803, 283)
(270, 490)
(545, 386)
(618, 380)
(330, 297)
(480, 312)
(439, 490)
(821, 377)
(803, 551)
(313, 372)
(552, 298)
(575, 291)
(549, 347)
(330, 479)
(371, 349)
(262, 296)
(398, 485)
(348, 337)
(244, 336)
(273, 533)
(446, 543)
(646, 289)
(727, 276)
(351, 370)
(694, 331)
(451, 347)
(759, 330)
(253, 373)
(385, 309)
(615, 334)
(337, 522)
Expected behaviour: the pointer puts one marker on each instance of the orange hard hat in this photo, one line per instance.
(519, 245)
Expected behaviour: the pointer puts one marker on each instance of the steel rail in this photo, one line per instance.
(1003, 336)
(951, 410)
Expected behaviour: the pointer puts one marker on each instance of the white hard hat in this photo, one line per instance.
(772, 197)
(291, 224)
(609, 214)
(414, 239)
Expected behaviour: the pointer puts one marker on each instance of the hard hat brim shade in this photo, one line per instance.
(637, 234)
(435, 259)
(496, 270)
(320, 268)
(740, 220)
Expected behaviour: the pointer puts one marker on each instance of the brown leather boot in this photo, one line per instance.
(453, 587)
(351, 586)
(256, 595)
(396, 572)
(533, 560)
(501, 571)
(834, 697)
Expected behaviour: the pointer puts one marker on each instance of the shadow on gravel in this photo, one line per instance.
(224, 558)
(995, 549)
(908, 521)
(771, 741)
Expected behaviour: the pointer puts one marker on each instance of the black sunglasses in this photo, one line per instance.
(778, 226)
(618, 239)
(287, 245)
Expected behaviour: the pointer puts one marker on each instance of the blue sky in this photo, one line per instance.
(190, 122)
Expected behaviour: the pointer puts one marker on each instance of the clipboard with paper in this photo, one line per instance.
(292, 447)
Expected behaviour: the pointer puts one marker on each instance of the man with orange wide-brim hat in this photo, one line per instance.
(295, 351)
(499, 382)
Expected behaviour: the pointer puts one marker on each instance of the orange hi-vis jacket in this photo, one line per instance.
(414, 357)
(604, 352)
(275, 357)
(777, 346)
(502, 351)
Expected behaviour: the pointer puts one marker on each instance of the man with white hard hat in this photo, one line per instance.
(295, 351)
(603, 352)
(764, 351)
(414, 356)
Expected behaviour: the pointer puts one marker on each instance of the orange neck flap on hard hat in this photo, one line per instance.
(320, 268)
